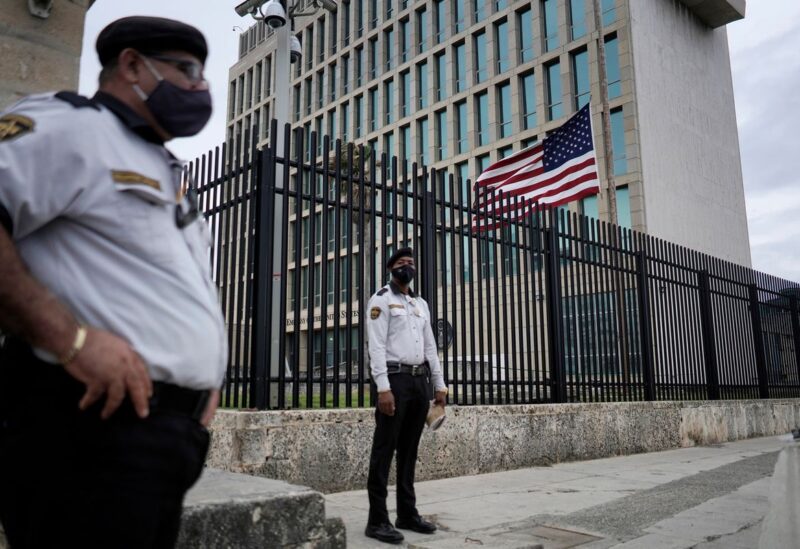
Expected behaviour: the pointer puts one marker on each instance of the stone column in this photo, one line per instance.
(39, 54)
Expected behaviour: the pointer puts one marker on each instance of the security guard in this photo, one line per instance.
(117, 347)
(404, 364)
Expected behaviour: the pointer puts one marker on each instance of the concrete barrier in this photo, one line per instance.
(328, 450)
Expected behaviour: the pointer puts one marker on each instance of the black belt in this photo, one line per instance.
(168, 398)
(413, 369)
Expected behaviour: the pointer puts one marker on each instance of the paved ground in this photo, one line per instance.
(704, 498)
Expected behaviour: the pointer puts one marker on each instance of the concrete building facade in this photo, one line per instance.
(459, 84)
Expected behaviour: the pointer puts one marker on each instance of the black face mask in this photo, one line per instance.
(180, 112)
(404, 274)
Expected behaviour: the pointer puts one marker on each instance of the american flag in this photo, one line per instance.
(560, 169)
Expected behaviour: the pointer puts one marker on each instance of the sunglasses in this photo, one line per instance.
(192, 70)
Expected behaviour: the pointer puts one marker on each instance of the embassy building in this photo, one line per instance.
(457, 85)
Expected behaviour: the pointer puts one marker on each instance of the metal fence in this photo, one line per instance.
(556, 307)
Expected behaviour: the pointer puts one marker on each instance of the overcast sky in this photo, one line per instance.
(766, 78)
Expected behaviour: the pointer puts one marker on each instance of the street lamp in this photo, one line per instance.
(287, 50)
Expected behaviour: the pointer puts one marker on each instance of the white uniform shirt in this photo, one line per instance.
(399, 330)
(90, 204)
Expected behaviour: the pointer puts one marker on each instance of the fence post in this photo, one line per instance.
(645, 331)
(795, 333)
(709, 343)
(262, 294)
(758, 343)
(555, 337)
(428, 255)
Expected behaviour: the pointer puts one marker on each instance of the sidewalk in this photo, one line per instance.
(704, 498)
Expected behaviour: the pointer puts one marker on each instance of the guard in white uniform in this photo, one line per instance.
(117, 344)
(405, 368)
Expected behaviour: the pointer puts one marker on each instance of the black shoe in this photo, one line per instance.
(417, 524)
(383, 532)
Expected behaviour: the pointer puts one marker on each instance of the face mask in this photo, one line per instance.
(180, 112)
(404, 274)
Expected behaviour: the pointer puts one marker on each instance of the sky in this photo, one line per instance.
(766, 80)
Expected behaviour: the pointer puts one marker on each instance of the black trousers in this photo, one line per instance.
(400, 432)
(70, 479)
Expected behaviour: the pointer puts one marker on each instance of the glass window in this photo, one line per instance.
(422, 30)
(550, 24)
(321, 40)
(373, 58)
(609, 11)
(359, 18)
(618, 142)
(373, 108)
(388, 52)
(232, 100)
(481, 71)
(405, 145)
(461, 67)
(332, 125)
(505, 151)
(423, 150)
(405, 36)
(529, 101)
(318, 128)
(422, 85)
(388, 103)
(359, 66)
(553, 72)
(297, 104)
(478, 11)
(440, 31)
(333, 46)
(388, 146)
(624, 207)
(405, 93)
(345, 23)
(441, 135)
(359, 114)
(580, 78)
(373, 14)
(461, 127)
(257, 82)
(249, 87)
(482, 121)
(502, 50)
(441, 77)
(577, 18)
(307, 94)
(308, 43)
(320, 90)
(612, 67)
(525, 30)
(483, 162)
(345, 74)
(500, 5)
(458, 15)
(504, 108)
(346, 121)
(332, 82)
(388, 9)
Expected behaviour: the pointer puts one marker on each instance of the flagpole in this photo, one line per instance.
(611, 194)
(608, 153)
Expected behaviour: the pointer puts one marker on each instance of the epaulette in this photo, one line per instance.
(77, 101)
(382, 291)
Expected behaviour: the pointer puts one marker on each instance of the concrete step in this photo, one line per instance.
(231, 510)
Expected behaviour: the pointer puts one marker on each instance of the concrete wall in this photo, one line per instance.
(691, 165)
(329, 449)
(38, 55)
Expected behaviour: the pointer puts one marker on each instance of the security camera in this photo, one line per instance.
(329, 5)
(249, 7)
(274, 14)
(295, 50)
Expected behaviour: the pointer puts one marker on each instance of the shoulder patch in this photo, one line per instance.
(382, 291)
(375, 312)
(77, 101)
(15, 125)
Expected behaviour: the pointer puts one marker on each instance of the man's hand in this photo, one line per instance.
(108, 365)
(439, 398)
(211, 408)
(386, 403)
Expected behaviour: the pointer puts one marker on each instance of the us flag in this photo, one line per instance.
(560, 169)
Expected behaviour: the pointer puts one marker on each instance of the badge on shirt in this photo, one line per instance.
(15, 125)
(132, 178)
(375, 312)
